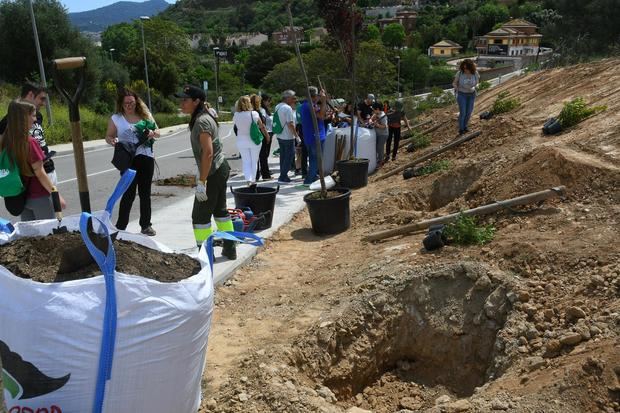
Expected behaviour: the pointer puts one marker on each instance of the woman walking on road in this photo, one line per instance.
(130, 110)
(465, 83)
(213, 170)
(23, 150)
(265, 149)
(243, 119)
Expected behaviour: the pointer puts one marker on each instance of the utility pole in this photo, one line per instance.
(217, 78)
(48, 105)
(146, 67)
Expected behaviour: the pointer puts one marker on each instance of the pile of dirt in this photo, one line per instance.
(179, 180)
(39, 259)
(529, 322)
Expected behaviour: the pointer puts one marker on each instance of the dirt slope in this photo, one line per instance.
(527, 323)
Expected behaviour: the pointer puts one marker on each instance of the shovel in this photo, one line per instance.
(79, 63)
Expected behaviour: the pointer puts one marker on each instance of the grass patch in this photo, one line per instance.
(466, 231)
(576, 111)
(433, 167)
(504, 103)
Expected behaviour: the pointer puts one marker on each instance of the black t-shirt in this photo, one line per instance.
(365, 110)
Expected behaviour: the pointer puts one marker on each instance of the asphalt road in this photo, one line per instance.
(173, 156)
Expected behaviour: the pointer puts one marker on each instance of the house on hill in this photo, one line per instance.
(407, 18)
(285, 36)
(518, 37)
(444, 48)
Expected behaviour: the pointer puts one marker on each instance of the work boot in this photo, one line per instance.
(229, 250)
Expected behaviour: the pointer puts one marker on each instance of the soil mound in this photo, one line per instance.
(39, 258)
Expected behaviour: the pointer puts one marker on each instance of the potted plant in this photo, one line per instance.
(329, 210)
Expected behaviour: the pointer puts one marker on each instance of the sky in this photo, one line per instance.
(75, 6)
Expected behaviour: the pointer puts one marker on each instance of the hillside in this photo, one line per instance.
(529, 322)
(123, 11)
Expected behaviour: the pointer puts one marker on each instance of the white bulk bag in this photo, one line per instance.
(51, 337)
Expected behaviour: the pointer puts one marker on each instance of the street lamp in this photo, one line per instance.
(146, 68)
(48, 107)
(217, 78)
(111, 55)
(398, 77)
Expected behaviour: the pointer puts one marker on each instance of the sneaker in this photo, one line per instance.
(148, 231)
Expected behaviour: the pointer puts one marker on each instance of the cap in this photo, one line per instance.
(288, 94)
(193, 92)
(370, 97)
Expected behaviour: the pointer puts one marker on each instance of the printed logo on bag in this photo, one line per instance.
(23, 380)
(4, 173)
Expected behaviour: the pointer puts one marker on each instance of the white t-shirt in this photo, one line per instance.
(268, 120)
(126, 133)
(243, 122)
(286, 114)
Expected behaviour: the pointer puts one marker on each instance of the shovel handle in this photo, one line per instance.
(70, 63)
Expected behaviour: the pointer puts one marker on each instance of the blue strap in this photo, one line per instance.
(107, 264)
(121, 187)
(242, 237)
(6, 226)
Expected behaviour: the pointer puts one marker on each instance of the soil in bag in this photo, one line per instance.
(38, 258)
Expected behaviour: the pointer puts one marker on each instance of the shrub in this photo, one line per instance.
(433, 167)
(420, 141)
(466, 231)
(164, 120)
(484, 85)
(575, 111)
(504, 103)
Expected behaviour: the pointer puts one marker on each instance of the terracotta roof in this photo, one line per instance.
(519, 22)
(447, 43)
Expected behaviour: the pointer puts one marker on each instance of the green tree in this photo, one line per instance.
(372, 33)
(57, 37)
(120, 37)
(492, 14)
(262, 59)
(394, 35)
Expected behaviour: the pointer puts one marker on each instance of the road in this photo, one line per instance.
(173, 156)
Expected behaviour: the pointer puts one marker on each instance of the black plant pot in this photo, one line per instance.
(332, 215)
(260, 199)
(353, 173)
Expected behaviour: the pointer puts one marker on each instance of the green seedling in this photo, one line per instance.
(576, 111)
(466, 231)
(433, 167)
(504, 103)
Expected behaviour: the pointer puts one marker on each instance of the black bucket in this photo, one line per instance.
(259, 199)
(353, 174)
(330, 216)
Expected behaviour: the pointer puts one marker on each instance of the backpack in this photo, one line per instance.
(277, 127)
(10, 179)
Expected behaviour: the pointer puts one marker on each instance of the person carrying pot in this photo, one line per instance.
(465, 82)
(132, 113)
(213, 170)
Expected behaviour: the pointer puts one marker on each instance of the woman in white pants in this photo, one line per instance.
(249, 151)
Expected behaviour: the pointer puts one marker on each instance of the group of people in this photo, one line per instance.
(22, 142)
(22, 139)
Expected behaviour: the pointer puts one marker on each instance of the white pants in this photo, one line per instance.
(249, 157)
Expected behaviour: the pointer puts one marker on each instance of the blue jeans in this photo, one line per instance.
(313, 167)
(287, 155)
(466, 107)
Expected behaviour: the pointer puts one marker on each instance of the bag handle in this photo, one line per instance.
(6, 226)
(107, 264)
(122, 185)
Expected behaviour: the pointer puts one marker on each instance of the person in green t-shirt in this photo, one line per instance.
(213, 170)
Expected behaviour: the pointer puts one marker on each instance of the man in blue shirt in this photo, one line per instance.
(319, 105)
